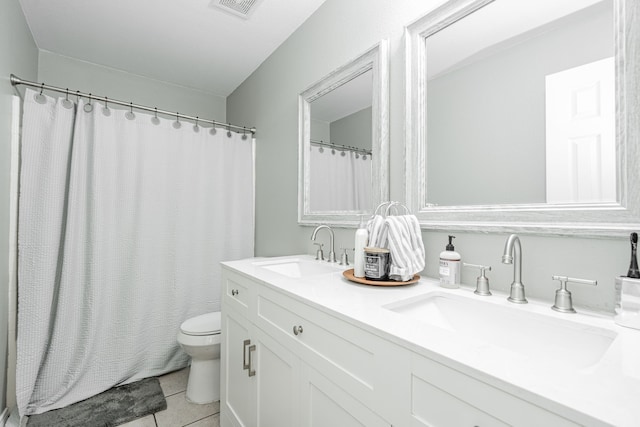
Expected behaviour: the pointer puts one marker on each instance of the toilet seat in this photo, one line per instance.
(204, 324)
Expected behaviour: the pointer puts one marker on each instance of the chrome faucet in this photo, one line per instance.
(513, 255)
(332, 253)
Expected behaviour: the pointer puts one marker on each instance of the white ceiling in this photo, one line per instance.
(185, 42)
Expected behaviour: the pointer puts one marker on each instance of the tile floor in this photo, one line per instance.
(179, 412)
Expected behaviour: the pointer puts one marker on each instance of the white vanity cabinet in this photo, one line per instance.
(286, 364)
(316, 367)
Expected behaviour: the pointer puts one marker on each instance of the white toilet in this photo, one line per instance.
(200, 338)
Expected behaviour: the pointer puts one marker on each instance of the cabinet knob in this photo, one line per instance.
(297, 330)
(234, 292)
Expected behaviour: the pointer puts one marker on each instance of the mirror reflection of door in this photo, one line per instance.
(581, 151)
(341, 145)
(487, 97)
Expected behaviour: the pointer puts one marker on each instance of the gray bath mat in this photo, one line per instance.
(110, 408)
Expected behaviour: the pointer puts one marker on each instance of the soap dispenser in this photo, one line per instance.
(450, 266)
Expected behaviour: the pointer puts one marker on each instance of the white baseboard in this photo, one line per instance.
(4, 417)
(10, 418)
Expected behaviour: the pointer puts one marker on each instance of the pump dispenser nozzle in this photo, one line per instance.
(450, 245)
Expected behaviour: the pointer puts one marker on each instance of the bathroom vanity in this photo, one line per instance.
(303, 346)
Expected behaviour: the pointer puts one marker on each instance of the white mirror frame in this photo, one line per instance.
(375, 59)
(592, 220)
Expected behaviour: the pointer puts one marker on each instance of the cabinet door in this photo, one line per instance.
(277, 376)
(327, 405)
(441, 396)
(238, 390)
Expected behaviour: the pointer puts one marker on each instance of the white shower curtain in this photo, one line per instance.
(339, 183)
(122, 225)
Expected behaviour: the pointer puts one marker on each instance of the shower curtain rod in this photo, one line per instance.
(340, 147)
(18, 81)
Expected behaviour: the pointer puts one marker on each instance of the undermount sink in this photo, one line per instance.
(299, 267)
(535, 336)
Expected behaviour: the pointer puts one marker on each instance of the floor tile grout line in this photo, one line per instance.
(173, 394)
(203, 418)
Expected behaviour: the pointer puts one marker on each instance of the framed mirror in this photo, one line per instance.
(344, 141)
(523, 116)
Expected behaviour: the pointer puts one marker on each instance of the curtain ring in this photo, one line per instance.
(196, 128)
(65, 102)
(88, 107)
(130, 115)
(244, 133)
(229, 130)
(177, 124)
(105, 110)
(40, 98)
(155, 120)
(213, 130)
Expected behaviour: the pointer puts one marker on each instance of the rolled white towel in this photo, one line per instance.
(406, 247)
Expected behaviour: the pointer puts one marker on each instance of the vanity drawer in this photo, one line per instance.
(238, 291)
(344, 353)
(441, 396)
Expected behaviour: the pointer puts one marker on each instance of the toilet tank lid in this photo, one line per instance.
(204, 324)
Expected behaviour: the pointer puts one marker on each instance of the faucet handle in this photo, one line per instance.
(344, 258)
(563, 302)
(319, 253)
(482, 282)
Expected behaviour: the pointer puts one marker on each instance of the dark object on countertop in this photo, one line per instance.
(634, 273)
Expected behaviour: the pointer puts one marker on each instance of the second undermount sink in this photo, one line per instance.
(299, 267)
(533, 335)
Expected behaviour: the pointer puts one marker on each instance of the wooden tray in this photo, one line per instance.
(349, 275)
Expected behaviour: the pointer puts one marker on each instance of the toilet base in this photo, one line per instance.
(203, 385)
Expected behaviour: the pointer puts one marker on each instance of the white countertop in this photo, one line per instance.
(608, 391)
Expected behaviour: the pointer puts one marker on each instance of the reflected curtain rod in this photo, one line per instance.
(341, 147)
(18, 81)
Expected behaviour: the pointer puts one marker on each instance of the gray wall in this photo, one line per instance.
(353, 130)
(320, 130)
(18, 55)
(338, 32)
(501, 101)
(86, 77)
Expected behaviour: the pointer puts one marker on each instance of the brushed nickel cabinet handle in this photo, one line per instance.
(297, 330)
(245, 365)
(234, 292)
(252, 371)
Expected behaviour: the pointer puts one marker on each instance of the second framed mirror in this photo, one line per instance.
(343, 141)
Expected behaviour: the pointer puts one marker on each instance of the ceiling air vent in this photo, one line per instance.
(241, 8)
